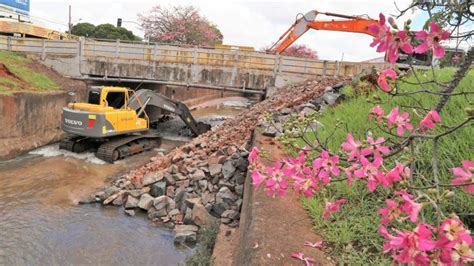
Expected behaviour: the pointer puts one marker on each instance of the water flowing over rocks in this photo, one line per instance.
(201, 182)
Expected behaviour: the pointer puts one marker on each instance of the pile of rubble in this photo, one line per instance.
(202, 182)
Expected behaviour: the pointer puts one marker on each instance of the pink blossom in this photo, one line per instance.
(305, 185)
(325, 166)
(253, 155)
(382, 80)
(454, 242)
(317, 244)
(276, 184)
(392, 211)
(257, 178)
(296, 166)
(300, 255)
(353, 146)
(464, 176)
(429, 121)
(378, 113)
(349, 172)
(375, 147)
(332, 207)
(383, 34)
(396, 174)
(370, 171)
(409, 246)
(401, 121)
(431, 40)
(409, 206)
(399, 41)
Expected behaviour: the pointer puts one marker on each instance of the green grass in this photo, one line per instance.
(18, 65)
(353, 235)
(206, 240)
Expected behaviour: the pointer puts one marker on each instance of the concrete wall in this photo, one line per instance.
(29, 120)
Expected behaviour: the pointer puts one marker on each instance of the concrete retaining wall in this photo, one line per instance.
(29, 120)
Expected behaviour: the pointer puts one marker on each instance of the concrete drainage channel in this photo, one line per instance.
(203, 182)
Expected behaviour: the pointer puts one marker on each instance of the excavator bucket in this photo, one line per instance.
(202, 127)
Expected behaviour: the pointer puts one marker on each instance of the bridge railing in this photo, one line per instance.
(91, 49)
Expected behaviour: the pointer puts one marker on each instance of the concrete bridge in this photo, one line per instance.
(220, 69)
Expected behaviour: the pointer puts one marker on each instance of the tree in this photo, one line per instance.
(83, 29)
(180, 25)
(103, 31)
(297, 50)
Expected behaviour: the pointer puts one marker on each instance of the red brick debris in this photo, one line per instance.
(234, 134)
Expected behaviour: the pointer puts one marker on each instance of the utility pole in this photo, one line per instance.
(70, 23)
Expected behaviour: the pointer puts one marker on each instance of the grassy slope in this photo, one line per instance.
(354, 233)
(18, 65)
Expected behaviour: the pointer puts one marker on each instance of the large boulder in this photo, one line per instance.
(131, 202)
(228, 169)
(152, 177)
(215, 169)
(158, 189)
(188, 237)
(146, 201)
(201, 217)
(225, 195)
(161, 202)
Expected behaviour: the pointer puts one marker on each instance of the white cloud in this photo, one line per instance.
(245, 22)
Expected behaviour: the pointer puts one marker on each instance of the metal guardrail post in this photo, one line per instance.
(117, 48)
(9, 43)
(43, 50)
(195, 56)
(325, 67)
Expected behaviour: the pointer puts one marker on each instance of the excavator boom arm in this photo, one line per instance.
(144, 97)
(303, 24)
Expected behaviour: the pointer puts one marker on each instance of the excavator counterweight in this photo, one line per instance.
(115, 122)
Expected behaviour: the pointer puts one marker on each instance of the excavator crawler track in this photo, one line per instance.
(75, 144)
(121, 147)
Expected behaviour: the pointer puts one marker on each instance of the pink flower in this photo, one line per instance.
(317, 244)
(382, 80)
(332, 207)
(399, 41)
(409, 206)
(305, 185)
(382, 34)
(257, 178)
(276, 184)
(454, 242)
(378, 113)
(300, 255)
(431, 40)
(325, 166)
(429, 121)
(353, 146)
(464, 176)
(253, 155)
(396, 174)
(296, 166)
(370, 170)
(409, 246)
(391, 212)
(375, 147)
(401, 121)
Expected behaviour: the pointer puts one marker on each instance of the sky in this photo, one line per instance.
(242, 22)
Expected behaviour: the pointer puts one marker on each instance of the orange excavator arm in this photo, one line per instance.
(303, 24)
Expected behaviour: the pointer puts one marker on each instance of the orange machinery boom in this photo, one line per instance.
(303, 24)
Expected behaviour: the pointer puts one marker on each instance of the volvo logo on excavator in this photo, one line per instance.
(73, 122)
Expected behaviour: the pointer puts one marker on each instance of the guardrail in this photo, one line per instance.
(91, 49)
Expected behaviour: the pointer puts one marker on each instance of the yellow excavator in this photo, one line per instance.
(115, 121)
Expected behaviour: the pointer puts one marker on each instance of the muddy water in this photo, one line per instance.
(41, 223)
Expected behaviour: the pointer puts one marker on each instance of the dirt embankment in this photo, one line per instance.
(31, 117)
